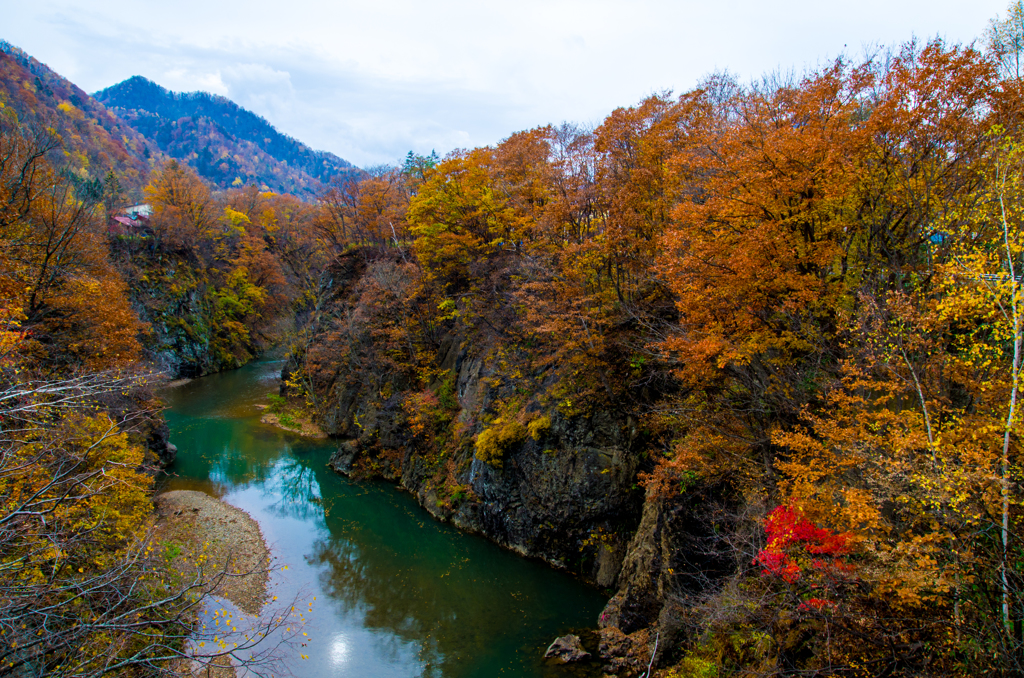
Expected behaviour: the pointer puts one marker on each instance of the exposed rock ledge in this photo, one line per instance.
(197, 523)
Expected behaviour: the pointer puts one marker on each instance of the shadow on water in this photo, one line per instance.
(398, 594)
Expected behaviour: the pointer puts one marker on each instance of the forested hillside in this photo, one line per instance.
(86, 586)
(218, 278)
(82, 589)
(96, 141)
(226, 144)
(748, 357)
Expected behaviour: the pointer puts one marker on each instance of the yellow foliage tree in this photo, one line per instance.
(916, 451)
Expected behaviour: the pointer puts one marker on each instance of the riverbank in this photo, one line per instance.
(383, 589)
(291, 420)
(193, 525)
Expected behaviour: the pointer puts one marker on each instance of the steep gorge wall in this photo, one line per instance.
(567, 491)
(565, 497)
(198, 321)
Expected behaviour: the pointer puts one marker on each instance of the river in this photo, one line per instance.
(396, 593)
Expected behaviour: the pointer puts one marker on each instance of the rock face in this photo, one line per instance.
(678, 552)
(567, 497)
(565, 492)
(190, 334)
(170, 453)
(567, 649)
(184, 341)
(146, 427)
(626, 655)
(559, 482)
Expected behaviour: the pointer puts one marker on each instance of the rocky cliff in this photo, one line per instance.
(503, 441)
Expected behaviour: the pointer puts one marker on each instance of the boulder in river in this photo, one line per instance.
(169, 455)
(344, 458)
(567, 649)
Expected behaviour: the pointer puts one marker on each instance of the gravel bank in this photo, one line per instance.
(197, 524)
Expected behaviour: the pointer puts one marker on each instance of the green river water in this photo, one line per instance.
(396, 593)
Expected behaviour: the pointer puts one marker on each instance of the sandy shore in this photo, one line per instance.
(196, 523)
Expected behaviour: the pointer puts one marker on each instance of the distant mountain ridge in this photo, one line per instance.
(225, 143)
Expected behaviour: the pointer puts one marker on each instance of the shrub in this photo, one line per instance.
(492, 443)
(277, 403)
(426, 415)
(446, 392)
(539, 426)
(694, 667)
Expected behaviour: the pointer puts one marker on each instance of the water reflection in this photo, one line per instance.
(398, 594)
(294, 490)
(339, 650)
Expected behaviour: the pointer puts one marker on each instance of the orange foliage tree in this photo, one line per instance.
(55, 269)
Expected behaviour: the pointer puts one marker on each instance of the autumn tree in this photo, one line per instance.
(379, 203)
(636, 189)
(458, 217)
(56, 271)
(113, 195)
(183, 212)
(85, 589)
(22, 166)
(811, 225)
(574, 213)
(1005, 39)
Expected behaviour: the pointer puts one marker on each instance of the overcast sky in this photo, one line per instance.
(370, 81)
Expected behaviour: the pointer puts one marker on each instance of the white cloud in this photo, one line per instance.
(369, 81)
(255, 73)
(179, 79)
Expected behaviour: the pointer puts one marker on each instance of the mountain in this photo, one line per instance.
(95, 141)
(226, 144)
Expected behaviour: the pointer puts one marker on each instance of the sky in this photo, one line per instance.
(371, 81)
